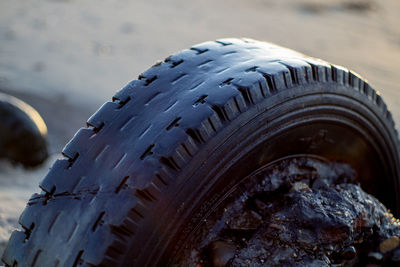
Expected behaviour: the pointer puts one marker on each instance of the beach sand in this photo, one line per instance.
(67, 57)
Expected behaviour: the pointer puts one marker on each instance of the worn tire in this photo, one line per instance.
(137, 181)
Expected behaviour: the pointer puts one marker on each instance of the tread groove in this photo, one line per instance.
(200, 100)
(236, 104)
(144, 131)
(198, 50)
(195, 135)
(176, 63)
(147, 152)
(170, 163)
(333, 73)
(179, 77)
(161, 179)
(260, 86)
(226, 82)
(72, 160)
(94, 128)
(205, 63)
(28, 231)
(229, 53)
(72, 232)
(53, 221)
(246, 95)
(171, 106)
(78, 259)
(187, 150)
(197, 85)
(126, 122)
(101, 152)
(99, 221)
(150, 80)
(293, 75)
(314, 70)
(151, 98)
(135, 214)
(36, 257)
(49, 195)
(121, 184)
(119, 161)
(270, 82)
(122, 103)
(223, 43)
(121, 231)
(145, 195)
(212, 126)
(306, 74)
(221, 113)
(174, 123)
(252, 69)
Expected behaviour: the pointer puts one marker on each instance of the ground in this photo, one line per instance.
(67, 57)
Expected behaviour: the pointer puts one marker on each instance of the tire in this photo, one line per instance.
(152, 163)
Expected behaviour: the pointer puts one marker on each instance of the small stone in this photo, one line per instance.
(274, 226)
(396, 255)
(300, 187)
(349, 253)
(260, 205)
(375, 256)
(389, 244)
(221, 252)
(329, 247)
(249, 220)
(320, 183)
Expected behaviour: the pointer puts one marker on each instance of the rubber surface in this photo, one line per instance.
(102, 204)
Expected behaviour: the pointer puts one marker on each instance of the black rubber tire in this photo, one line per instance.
(153, 162)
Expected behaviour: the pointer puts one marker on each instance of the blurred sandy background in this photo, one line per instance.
(67, 57)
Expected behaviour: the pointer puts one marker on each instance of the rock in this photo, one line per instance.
(333, 224)
(396, 255)
(389, 244)
(349, 253)
(249, 220)
(376, 256)
(300, 187)
(221, 252)
(22, 132)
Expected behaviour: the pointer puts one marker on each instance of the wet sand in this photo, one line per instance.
(66, 57)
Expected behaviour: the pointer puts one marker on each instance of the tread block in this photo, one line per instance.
(104, 115)
(74, 145)
(300, 71)
(254, 84)
(277, 76)
(55, 176)
(15, 250)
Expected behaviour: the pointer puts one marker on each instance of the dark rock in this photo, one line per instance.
(22, 132)
(309, 213)
(249, 220)
(221, 252)
(349, 253)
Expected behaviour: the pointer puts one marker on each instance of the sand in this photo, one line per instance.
(67, 57)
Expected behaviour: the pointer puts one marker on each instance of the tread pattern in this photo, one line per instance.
(134, 145)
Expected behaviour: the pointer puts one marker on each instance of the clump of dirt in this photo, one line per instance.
(300, 212)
